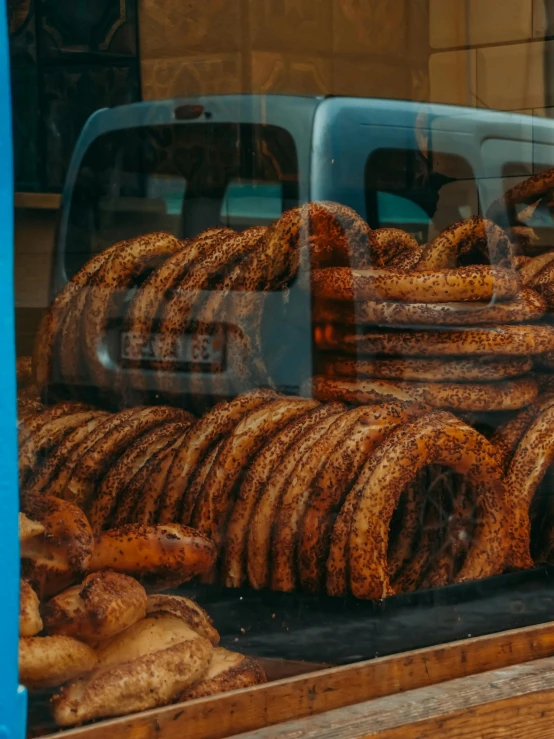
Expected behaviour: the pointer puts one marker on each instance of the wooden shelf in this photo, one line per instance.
(352, 697)
(37, 200)
(517, 702)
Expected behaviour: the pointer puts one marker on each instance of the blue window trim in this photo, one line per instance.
(13, 699)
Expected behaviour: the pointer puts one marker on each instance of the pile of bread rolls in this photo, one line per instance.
(96, 634)
(106, 648)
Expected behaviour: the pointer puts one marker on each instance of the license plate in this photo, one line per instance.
(200, 348)
(205, 351)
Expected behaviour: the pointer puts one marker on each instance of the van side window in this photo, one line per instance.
(393, 193)
(251, 203)
(404, 190)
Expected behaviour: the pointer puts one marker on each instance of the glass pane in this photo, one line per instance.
(284, 285)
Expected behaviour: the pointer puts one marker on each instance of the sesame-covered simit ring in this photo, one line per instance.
(521, 341)
(436, 438)
(477, 282)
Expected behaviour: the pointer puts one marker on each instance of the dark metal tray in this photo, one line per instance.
(344, 630)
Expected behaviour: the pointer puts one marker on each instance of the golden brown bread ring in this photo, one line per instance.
(150, 681)
(508, 436)
(70, 367)
(241, 315)
(521, 340)
(407, 260)
(227, 671)
(482, 369)
(146, 509)
(208, 319)
(331, 233)
(402, 549)
(268, 267)
(437, 438)
(259, 534)
(200, 437)
(33, 452)
(48, 332)
(216, 500)
(464, 396)
(91, 469)
(529, 464)
(58, 483)
(336, 565)
(129, 497)
(46, 474)
(233, 570)
(177, 310)
(64, 546)
(295, 496)
(463, 236)
(197, 482)
(337, 235)
(533, 267)
(49, 661)
(334, 233)
(149, 552)
(30, 622)
(392, 243)
(187, 610)
(34, 424)
(333, 483)
(502, 210)
(104, 604)
(113, 279)
(149, 300)
(475, 283)
(527, 306)
(118, 476)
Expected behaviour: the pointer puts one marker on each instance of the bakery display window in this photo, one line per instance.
(284, 366)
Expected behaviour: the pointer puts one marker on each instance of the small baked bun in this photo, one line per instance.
(173, 552)
(150, 681)
(227, 671)
(47, 661)
(53, 560)
(30, 622)
(154, 633)
(187, 610)
(103, 605)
